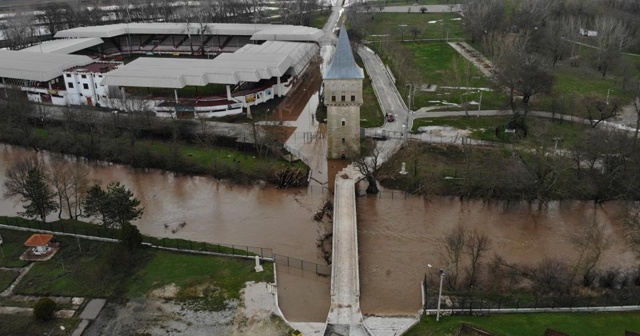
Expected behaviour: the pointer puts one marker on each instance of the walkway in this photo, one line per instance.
(345, 317)
(451, 8)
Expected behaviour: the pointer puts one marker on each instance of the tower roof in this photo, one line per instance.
(343, 65)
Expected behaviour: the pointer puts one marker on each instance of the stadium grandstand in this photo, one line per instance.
(173, 69)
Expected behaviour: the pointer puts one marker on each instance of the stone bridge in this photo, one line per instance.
(345, 317)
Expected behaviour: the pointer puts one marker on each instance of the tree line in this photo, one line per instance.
(47, 187)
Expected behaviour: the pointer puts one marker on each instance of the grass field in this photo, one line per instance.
(399, 26)
(6, 279)
(221, 278)
(26, 325)
(541, 130)
(578, 324)
(12, 248)
(78, 267)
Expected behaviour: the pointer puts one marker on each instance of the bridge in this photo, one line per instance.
(345, 317)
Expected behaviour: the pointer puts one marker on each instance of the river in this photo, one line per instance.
(397, 237)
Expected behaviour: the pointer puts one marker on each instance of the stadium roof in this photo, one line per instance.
(37, 66)
(343, 65)
(65, 46)
(257, 31)
(251, 63)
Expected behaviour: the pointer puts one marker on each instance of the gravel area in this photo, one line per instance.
(159, 314)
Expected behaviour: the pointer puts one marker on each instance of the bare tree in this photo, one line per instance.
(61, 178)
(452, 247)
(590, 243)
(368, 162)
(481, 17)
(19, 30)
(521, 72)
(611, 38)
(598, 110)
(54, 16)
(476, 246)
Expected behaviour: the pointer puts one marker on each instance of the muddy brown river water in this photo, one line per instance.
(397, 237)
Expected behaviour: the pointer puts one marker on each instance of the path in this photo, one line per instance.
(345, 317)
(9, 291)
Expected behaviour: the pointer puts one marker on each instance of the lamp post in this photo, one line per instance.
(439, 295)
(608, 92)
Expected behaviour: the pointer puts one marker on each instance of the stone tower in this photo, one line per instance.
(343, 97)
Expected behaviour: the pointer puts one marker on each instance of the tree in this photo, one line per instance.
(598, 110)
(130, 236)
(116, 205)
(520, 71)
(481, 17)
(61, 178)
(54, 16)
(590, 242)
(451, 249)
(477, 245)
(612, 37)
(368, 162)
(28, 181)
(19, 30)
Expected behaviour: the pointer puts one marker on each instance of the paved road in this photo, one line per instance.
(389, 99)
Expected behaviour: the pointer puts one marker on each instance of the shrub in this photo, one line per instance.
(44, 309)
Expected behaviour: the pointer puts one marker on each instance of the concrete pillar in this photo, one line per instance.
(228, 92)
(279, 87)
(5, 88)
(175, 93)
(49, 85)
(124, 95)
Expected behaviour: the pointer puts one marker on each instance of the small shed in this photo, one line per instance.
(39, 243)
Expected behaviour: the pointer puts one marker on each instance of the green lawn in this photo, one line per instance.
(26, 325)
(370, 111)
(221, 278)
(396, 26)
(578, 324)
(86, 268)
(6, 279)
(408, 2)
(12, 248)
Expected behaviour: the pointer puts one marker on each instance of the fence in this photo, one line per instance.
(86, 231)
(618, 301)
(322, 270)
(95, 232)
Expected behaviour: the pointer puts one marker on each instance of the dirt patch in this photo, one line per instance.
(158, 314)
(167, 292)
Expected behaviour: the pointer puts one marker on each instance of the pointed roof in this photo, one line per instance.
(343, 65)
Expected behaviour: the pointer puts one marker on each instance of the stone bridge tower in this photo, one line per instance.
(343, 98)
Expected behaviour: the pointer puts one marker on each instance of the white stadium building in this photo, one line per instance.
(172, 69)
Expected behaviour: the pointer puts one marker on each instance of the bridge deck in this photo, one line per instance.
(345, 317)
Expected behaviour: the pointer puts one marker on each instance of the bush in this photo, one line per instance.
(44, 309)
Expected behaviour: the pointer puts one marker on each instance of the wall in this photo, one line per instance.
(343, 98)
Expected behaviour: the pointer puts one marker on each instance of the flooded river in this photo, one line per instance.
(397, 237)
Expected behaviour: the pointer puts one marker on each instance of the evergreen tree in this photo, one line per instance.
(115, 206)
(38, 196)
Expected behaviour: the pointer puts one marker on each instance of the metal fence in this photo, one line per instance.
(104, 234)
(322, 270)
(466, 305)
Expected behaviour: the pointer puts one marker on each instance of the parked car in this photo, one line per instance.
(390, 117)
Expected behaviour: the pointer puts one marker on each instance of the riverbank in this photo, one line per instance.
(147, 143)
(180, 291)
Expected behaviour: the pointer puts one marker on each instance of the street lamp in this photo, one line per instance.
(608, 92)
(439, 295)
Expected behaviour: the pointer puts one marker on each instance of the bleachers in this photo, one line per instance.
(169, 44)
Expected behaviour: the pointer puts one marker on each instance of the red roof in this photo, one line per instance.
(38, 239)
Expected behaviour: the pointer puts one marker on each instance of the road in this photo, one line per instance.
(390, 102)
